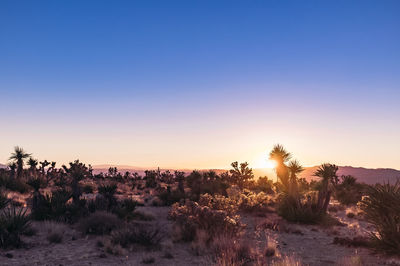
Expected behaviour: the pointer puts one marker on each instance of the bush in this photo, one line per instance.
(108, 192)
(304, 211)
(191, 217)
(54, 237)
(169, 197)
(148, 260)
(232, 251)
(207, 182)
(125, 209)
(357, 241)
(142, 234)
(4, 201)
(263, 184)
(55, 207)
(382, 209)
(252, 202)
(87, 189)
(14, 184)
(218, 202)
(99, 223)
(142, 216)
(55, 231)
(13, 223)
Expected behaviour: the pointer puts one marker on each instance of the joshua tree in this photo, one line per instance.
(18, 157)
(242, 174)
(43, 164)
(12, 167)
(32, 166)
(294, 169)
(76, 171)
(180, 177)
(328, 174)
(281, 157)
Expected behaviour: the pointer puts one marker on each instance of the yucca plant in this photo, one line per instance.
(13, 222)
(4, 201)
(108, 192)
(382, 210)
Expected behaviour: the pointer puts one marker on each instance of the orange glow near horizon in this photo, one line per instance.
(263, 162)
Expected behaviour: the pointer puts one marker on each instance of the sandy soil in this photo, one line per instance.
(311, 245)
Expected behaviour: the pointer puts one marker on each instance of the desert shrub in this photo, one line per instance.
(192, 216)
(14, 184)
(55, 206)
(287, 261)
(218, 202)
(88, 188)
(348, 196)
(255, 202)
(149, 236)
(55, 231)
(381, 208)
(55, 237)
(232, 251)
(357, 241)
(99, 223)
(349, 191)
(169, 197)
(36, 183)
(207, 183)
(125, 209)
(4, 201)
(142, 216)
(112, 248)
(100, 203)
(13, 223)
(108, 192)
(148, 260)
(303, 211)
(263, 184)
(150, 178)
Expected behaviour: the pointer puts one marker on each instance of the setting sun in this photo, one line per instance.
(270, 164)
(263, 162)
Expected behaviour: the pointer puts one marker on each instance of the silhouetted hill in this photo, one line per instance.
(2, 166)
(366, 175)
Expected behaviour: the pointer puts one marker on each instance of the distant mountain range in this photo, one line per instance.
(365, 175)
(3, 166)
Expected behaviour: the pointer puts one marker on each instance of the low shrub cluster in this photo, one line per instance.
(249, 201)
(13, 223)
(381, 208)
(13, 184)
(349, 191)
(169, 197)
(99, 223)
(192, 216)
(149, 236)
(207, 183)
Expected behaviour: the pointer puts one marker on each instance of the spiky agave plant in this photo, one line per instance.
(13, 222)
(382, 210)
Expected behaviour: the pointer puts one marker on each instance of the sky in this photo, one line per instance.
(200, 84)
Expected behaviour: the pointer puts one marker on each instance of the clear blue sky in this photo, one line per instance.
(201, 83)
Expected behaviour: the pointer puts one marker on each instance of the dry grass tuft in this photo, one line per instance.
(55, 231)
(350, 261)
